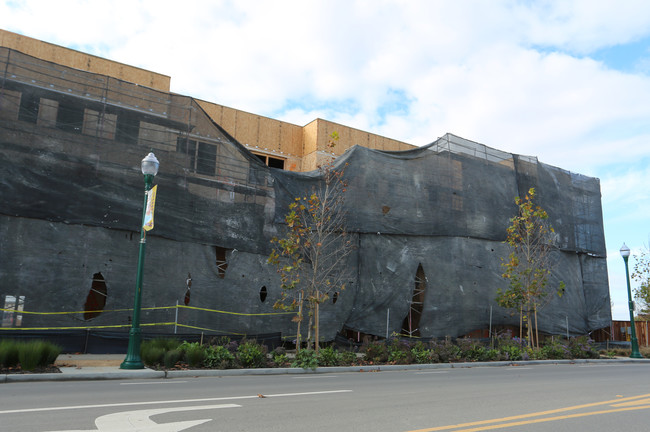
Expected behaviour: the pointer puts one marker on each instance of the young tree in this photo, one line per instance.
(641, 274)
(528, 267)
(311, 256)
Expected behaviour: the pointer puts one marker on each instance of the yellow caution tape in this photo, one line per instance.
(236, 313)
(146, 308)
(210, 330)
(85, 328)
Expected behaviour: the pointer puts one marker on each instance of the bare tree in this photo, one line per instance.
(529, 264)
(311, 256)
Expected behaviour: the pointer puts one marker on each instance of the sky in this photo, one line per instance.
(565, 81)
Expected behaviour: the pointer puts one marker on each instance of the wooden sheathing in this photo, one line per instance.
(621, 331)
(258, 133)
(82, 61)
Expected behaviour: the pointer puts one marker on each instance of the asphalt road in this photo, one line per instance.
(589, 397)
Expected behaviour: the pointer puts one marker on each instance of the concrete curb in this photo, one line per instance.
(114, 373)
(87, 375)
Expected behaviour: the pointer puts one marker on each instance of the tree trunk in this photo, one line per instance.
(316, 318)
(536, 331)
(311, 323)
(299, 336)
(521, 322)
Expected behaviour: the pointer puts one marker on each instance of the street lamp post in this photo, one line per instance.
(625, 253)
(149, 168)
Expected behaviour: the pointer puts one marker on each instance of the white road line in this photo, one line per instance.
(152, 383)
(26, 410)
(435, 372)
(315, 377)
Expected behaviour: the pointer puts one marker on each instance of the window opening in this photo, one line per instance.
(96, 299)
(70, 117)
(28, 111)
(411, 324)
(221, 261)
(263, 293)
(271, 161)
(203, 156)
(275, 163)
(206, 159)
(128, 128)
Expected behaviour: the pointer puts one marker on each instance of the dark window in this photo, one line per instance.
(188, 147)
(70, 117)
(203, 156)
(206, 159)
(28, 107)
(275, 163)
(271, 161)
(128, 128)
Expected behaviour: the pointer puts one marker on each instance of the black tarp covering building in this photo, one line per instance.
(428, 224)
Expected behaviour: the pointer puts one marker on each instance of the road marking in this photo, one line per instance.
(487, 424)
(436, 372)
(139, 421)
(632, 403)
(153, 383)
(26, 410)
(315, 377)
(516, 368)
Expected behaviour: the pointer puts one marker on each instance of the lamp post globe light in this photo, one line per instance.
(625, 253)
(149, 168)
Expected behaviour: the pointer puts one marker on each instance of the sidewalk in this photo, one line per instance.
(87, 367)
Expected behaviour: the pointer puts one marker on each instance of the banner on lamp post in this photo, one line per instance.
(151, 204)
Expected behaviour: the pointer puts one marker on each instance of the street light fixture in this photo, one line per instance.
(149, 168)
(625, 253)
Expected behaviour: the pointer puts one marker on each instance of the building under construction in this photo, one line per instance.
(428, 222)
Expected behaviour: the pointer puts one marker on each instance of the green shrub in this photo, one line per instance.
(8, 353)
(152, 355)
(511, 352)
(279, 357)
(167, 344)
(195, 355)
(555, 350)
(375, 352)
(306, 359)
(328, 356)
(172, 357)
(32, 354)
(399, 352)
(447, 351)
(218, 357)
(250, 354)
(583, 348)
(51, 352)
(492, 354)
(348, 358)
(423, 355)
